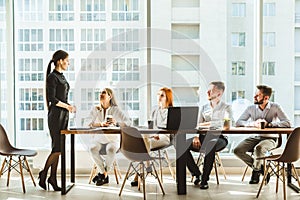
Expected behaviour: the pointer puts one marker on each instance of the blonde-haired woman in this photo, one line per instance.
(107, 113)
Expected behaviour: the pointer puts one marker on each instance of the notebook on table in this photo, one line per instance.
(182, 118)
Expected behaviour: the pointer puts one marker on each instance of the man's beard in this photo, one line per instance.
(259, 102)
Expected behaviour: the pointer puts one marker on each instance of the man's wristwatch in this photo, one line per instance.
(269, 124)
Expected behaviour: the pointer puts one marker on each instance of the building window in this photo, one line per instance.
(31, 99)
(237, 95)
(269, 9)
(31, 11)
(126, 69)
(70, 72)
(269, 39)
(93, 69)
(238, 68)
(31, 124)
(61, 39)
(89, 98)
(61, 10)
(129, 101)
(30, 69)
(238, 39)
(92, 10)
(125, 39)
(268, 68)
(30, 40)
(238, 10)
(92, 40)
(125, 10)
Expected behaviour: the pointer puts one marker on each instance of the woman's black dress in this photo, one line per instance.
(57, 90)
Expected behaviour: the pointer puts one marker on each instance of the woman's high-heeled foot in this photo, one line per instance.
(53, 182)
(42, 179)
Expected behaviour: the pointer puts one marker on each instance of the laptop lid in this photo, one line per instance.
(180, 118)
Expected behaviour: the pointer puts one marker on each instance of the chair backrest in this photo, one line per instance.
(5, 145)
(291, 151)
(132, 145)
(279, 142)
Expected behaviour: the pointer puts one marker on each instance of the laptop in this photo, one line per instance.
(180, 118)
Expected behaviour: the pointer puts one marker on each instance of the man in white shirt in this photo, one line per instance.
(214, 111)
(262, 111)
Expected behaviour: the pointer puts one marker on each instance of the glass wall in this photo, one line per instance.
(107, 43)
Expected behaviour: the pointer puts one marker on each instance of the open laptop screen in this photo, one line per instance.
(180, 118)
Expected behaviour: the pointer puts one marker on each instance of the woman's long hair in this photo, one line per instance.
(113, 101)
(169, 96)
(58, 55)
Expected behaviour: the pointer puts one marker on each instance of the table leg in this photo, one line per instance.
(63, 164)
(181, 163)
(72, 158)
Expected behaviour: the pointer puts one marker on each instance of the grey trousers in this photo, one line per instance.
(260, 145)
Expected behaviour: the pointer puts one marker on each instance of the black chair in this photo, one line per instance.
(9, 163)
(134, 149)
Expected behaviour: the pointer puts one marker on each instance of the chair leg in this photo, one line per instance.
(216, 172)
(8, 170)
(245, 171)
(126, 176)
(159, 182)
(218, 158)
(296, 174)
(143, 177)
(262, 183)
(160, 165)
(29, 171)
(21, 173)
(115, 172)
(169, 164)
(139, 178)
(93, 172)
(283, 180)
(118, 169)
(277, 176)
(3, 165)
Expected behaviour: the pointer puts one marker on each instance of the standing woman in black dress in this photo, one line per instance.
(57, 89)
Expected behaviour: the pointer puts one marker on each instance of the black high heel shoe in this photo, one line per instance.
(53, 183)
(42, 177)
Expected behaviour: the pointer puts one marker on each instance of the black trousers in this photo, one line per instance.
(210, 144)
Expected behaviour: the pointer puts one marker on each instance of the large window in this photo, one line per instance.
(108, 47)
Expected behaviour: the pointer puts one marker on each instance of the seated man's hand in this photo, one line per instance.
(196, 143)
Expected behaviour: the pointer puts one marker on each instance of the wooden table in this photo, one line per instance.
(181, 146)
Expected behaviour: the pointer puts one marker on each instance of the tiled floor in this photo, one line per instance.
(230, 189)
